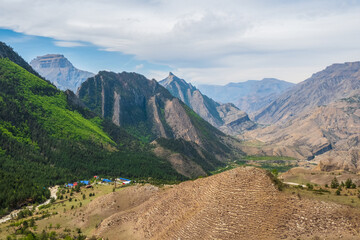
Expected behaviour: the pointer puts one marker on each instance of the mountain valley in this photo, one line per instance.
(195, 163)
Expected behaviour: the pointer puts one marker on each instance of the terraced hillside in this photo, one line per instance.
(242, 203)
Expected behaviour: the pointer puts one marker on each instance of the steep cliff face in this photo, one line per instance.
(60, 71)
(249, 96)
(129, 99)
(226, 117)
(234, 121)
(147, 110)
(335, 82)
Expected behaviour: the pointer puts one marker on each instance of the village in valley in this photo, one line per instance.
(98, 180)
(56, 215)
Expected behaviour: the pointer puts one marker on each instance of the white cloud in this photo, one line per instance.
(205, 40)
(157, 74)
(68, 44)
(140, 66)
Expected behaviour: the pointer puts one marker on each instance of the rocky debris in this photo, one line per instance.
(60, 71)
(181, 163)
(242, 203)
(180, 123)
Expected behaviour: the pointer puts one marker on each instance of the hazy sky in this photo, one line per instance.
(203, 41)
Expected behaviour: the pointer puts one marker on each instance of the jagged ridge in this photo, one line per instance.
(225, 117)
(335, 82)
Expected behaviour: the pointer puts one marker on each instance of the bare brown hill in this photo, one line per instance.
(242, 203)
(335, 82)
(333, 130)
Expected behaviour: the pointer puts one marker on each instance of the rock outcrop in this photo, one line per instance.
(226, 117)
(60, 71)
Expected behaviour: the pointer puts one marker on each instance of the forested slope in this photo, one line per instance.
(44, 141)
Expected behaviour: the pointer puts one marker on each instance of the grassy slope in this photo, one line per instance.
(50, 105)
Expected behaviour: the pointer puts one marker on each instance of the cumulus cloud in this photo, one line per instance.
(238, 40)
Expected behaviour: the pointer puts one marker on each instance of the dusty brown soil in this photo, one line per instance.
(303, 176)
(242, 203)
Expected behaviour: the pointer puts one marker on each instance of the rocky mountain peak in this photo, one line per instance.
(225, 117)
(60, 71)
(173, 79)
(51, 61)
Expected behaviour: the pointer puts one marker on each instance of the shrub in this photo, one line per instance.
(334, 183)
(348, 183)
(309, 186)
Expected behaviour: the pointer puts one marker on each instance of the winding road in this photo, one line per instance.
(53, 191)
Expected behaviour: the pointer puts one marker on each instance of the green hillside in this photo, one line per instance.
(45, 141)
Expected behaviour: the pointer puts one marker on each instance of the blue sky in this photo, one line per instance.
(203, 41)
(85, 57)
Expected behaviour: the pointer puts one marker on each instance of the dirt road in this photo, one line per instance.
(53, 191)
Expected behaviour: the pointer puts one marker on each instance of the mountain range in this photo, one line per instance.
(226, 117)
(316, 119)
(125, 125)
(60, 71)
(334, 127)
(249, 96)
(333, 83)
(147, 110)
(59, 124)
